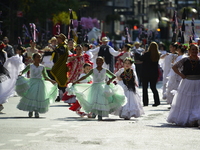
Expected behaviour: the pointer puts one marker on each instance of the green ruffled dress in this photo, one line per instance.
(98, 97)
(36, 93)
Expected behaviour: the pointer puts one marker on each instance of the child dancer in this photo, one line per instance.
(76, 106)
(36, 94)
(75, 64)
(96, 98)
(126, 79)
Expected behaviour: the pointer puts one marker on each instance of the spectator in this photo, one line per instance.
(9, 49)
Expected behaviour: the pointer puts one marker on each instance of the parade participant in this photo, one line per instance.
(149, 73)
(137, 51)
(4, 74)
(86, 49)
(173, 78)
(126, 79)
(71, 44)
(20, 51)
(9, 49)
(30, 51)
(75, 64)
(52, 43)
(46, 60)
(36, 93)
(14, 65)
(76, 106)
(107, 53)
(100, 98)
(59, 69)
(167, 65)
(185, 110)
(120, 58)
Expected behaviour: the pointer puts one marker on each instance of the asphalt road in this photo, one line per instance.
(62, 129)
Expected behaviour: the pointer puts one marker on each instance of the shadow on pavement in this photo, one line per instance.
(22, 118)
(76, 119)
(95, 119)
(168, 125)
(60, 106)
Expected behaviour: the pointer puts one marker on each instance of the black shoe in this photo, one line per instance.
(145, 105)
(30, 114)
(155, 105)
(99, 118)
(57, 99)
(93, 116)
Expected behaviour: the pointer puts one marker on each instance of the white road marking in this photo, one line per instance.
(35, 134)
(49, 134)
(15, 140)
(1, 144)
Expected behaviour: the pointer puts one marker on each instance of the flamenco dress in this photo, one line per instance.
(185, 109)
(133, 107)
(99, 98)
(13, 65)
(76, 106)
(75, 69)
(36, 93)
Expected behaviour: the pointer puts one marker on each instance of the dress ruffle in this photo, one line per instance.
(4, 74)
(95, 98)
(39, 94)
(133, 107)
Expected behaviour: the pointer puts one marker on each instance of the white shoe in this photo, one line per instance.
(1, 108)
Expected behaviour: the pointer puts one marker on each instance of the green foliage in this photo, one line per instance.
(41, 10)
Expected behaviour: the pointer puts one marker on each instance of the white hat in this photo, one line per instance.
(105, 39)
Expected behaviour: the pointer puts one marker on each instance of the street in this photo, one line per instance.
(62, 129)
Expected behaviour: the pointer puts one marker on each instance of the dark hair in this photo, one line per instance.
(19, 47)
(86, 65)
(194, 45)
(79, 46)
(70, 40)
(183, 48)
(35, 54)
(175, 45)
(128, 46)
(87, 45)
(129, 59)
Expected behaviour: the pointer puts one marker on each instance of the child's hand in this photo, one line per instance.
(108, 83)
(53, 82)
(118, 78)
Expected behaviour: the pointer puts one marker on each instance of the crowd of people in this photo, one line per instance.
(98, 81)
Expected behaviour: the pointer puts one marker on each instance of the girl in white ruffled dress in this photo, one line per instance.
(127, 80)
